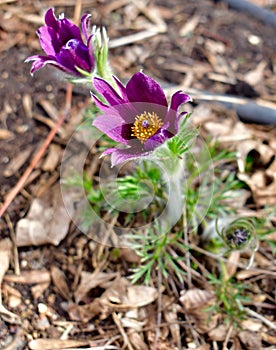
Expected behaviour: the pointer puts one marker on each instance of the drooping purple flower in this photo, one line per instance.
(64, 46)
(137, 116)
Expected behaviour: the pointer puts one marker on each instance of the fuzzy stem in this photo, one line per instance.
(174, 171)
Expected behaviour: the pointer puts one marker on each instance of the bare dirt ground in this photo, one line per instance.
(48, 299)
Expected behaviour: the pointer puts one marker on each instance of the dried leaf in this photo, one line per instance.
(120, 296)
(47, 221)
(251, 340)
(60, 282)
(137, 341)
(256, 75)
(90, 281)
(195, 302)
(219, 333)
(270, 339)
(252, 325)
(196, 298)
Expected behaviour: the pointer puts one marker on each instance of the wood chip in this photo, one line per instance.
(30, 277)
(56, 344)
(52, 159)
(189, 26)
(17, 162)
(6, 134)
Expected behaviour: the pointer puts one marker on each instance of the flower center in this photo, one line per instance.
(146, 125)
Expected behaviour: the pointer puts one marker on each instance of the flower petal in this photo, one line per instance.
(119, 156)
(74, 54)
(161, 136)
(178, 98)
(49, 40)
(107, 91)
(85, 25)
(121, 87)
(50, 19)
(68, 30)
(173, 116)
(142, 88)
(41, 61)
(113, 126)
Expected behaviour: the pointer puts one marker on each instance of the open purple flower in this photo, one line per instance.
(62, 42)
(138, 116)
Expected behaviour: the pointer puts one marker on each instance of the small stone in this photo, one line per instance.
(42, 308)
(254, 40)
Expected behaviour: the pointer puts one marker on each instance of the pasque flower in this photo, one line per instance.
(64, 46)
(137, 116)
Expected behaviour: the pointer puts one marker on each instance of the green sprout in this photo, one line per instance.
(230, 299)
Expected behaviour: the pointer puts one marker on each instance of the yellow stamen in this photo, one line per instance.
(145, 126)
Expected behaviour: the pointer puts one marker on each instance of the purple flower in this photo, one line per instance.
(138, 116)
(62, 42)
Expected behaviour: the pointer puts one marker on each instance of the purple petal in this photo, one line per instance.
(119, 156)
(104, 107)
(142, 88)
(85, 25)
(74, 54)
(157, 139)
(41, 61)
(121, 87)
(50, 19)
(68, 30)
(114, 126)
(173, 116)
(49, 40)
(178, 98)
(107, 91)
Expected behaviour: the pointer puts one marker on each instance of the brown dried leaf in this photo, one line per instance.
(195, 302)
(90, 281)
(60, 282)
(252, 325)
(47, 221)
(270, 339)
(196, 298)
(137, 341)
(219, 333)
(256, 75)
(120, 296)
(251, 340)
(262, 153)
